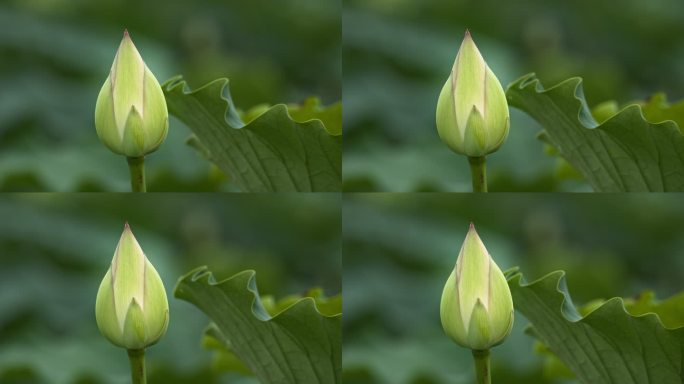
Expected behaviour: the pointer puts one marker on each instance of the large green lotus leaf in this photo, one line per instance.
(224, 357)
(608, 345)
(670, 312)
(624, 153)
(298, 345)
(272, 152)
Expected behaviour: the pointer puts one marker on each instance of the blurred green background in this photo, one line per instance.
(56, 54)
(56, 248)
(398, 53)
(399, 251)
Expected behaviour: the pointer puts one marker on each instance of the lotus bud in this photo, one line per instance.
(476, 308)
(130, 114)
(472, 112)
(131, 308)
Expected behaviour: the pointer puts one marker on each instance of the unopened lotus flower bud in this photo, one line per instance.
(476, 308)
(472, 112)
(130, 114)
(131, 307)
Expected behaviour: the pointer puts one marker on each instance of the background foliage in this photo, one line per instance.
(57, 53)
(398, 53)
(56, 248)
(400, 249)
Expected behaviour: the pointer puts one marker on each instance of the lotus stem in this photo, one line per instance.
(478, 170)
(137, 359)
(482, 369)
(136, 165)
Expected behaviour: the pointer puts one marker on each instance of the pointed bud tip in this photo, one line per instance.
(126, 32)
(467, 32)
(472, 233)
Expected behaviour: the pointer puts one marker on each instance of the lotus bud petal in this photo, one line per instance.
(131, 308)
(476, 308)
(130, 114)
(472, 111)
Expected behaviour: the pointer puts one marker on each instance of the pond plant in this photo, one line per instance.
(131, 118)
(472, 111)
(264, 149)
(131, 308)
(296, 339)
(477, 307)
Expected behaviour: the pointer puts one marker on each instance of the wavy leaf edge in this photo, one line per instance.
(231, 116)
(531, 80)
(203, 274)
(516, 277)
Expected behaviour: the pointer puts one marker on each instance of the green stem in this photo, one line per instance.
(137, 167)
(137, 358)
(478, 170)
(482, 371)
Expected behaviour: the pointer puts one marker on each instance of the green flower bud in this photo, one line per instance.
(476, 308)
(130, 114)
(472, 112)
(131, 307)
